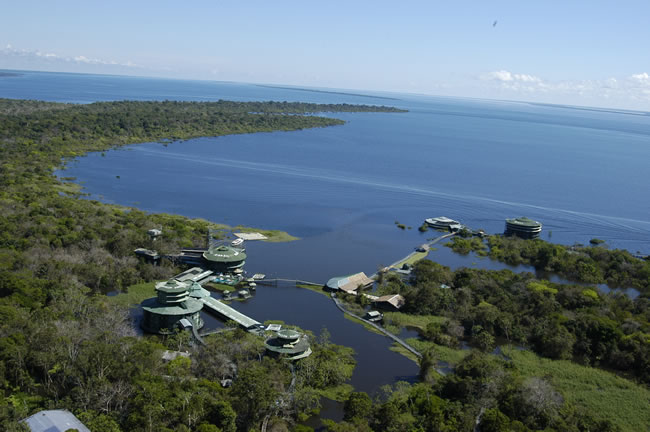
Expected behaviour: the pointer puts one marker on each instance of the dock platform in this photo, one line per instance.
(230, 313)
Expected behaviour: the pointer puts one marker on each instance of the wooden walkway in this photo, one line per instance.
(375, 326)
(229, 313)
(431, 243)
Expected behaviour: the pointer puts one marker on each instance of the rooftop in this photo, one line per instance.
(350, 283)
(524, 221)
(54, 421)
(224, 253)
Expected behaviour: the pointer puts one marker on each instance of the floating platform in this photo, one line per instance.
(229, 313)
(251, 236)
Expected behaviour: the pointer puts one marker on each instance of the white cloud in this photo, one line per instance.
(506, 76)
(642, 79)
(635, 87)
(10, 52)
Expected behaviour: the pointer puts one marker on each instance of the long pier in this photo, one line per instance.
(377, 327)
(229, 313)
(429, 244)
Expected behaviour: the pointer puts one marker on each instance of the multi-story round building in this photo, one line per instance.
(224, 258)
(289, 344)
(523, 227)
(164, 313)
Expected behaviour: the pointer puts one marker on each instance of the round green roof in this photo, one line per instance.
(187, 307)
(225, 254)
(290, 335)
(524, 221)
(171, 286)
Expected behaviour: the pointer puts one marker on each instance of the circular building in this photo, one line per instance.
(173, 308)
(224, 258)
(523, 227)
(289, 344)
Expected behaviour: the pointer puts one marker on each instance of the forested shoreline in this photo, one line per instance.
(61, 344)
(584, 264)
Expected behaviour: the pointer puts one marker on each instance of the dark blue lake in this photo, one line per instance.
(581, 172)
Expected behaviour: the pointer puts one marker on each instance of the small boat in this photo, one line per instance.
(237, 242)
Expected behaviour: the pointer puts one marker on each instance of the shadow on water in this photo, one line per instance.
(376, 365)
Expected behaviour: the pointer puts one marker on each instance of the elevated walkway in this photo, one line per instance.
(229, 313)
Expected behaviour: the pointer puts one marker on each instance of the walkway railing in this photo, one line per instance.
(375, 326)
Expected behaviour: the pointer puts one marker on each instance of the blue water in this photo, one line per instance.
(581, 172)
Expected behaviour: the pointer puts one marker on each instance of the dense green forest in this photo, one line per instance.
(586, 264)
(574, 337)
(61, 344)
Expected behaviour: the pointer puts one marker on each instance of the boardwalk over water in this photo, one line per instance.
(375, 326)
(429, 244)
(229, 313)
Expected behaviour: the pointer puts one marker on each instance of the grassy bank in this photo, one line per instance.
(272, 236)
(135, 294)
(603, 393)
(402, 320)
(412, 259)
(315, 288)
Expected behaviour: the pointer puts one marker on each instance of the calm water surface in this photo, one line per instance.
(581, 172)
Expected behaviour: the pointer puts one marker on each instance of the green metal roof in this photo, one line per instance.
(197, 291)
(188, 307)
(225, 254)
(288, 334)
(524, 221)
(280, 345)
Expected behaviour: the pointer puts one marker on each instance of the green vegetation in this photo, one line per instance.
(134, 295)
(411, 259)
(63, 346)
(485, 390)
(315, 288)
(596, 265)
(601, 392)
(273, 236)
(402, 320)
(463, 245)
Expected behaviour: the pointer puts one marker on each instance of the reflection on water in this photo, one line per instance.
(376, 364)
(447, 257)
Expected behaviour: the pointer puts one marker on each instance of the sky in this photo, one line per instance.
(578, 52)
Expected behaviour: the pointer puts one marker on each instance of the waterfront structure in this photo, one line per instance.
(289, 344)
(173, 304)
(391, 301)
(443, 223)
(229, 313)
(523, 227)
(374, 316)
(351, 283)
(218, 258)
(195, 274)
(150, 256)
(224, 258)
(154, 233)
(54, 421)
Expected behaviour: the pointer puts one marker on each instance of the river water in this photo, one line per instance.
(581, 172)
